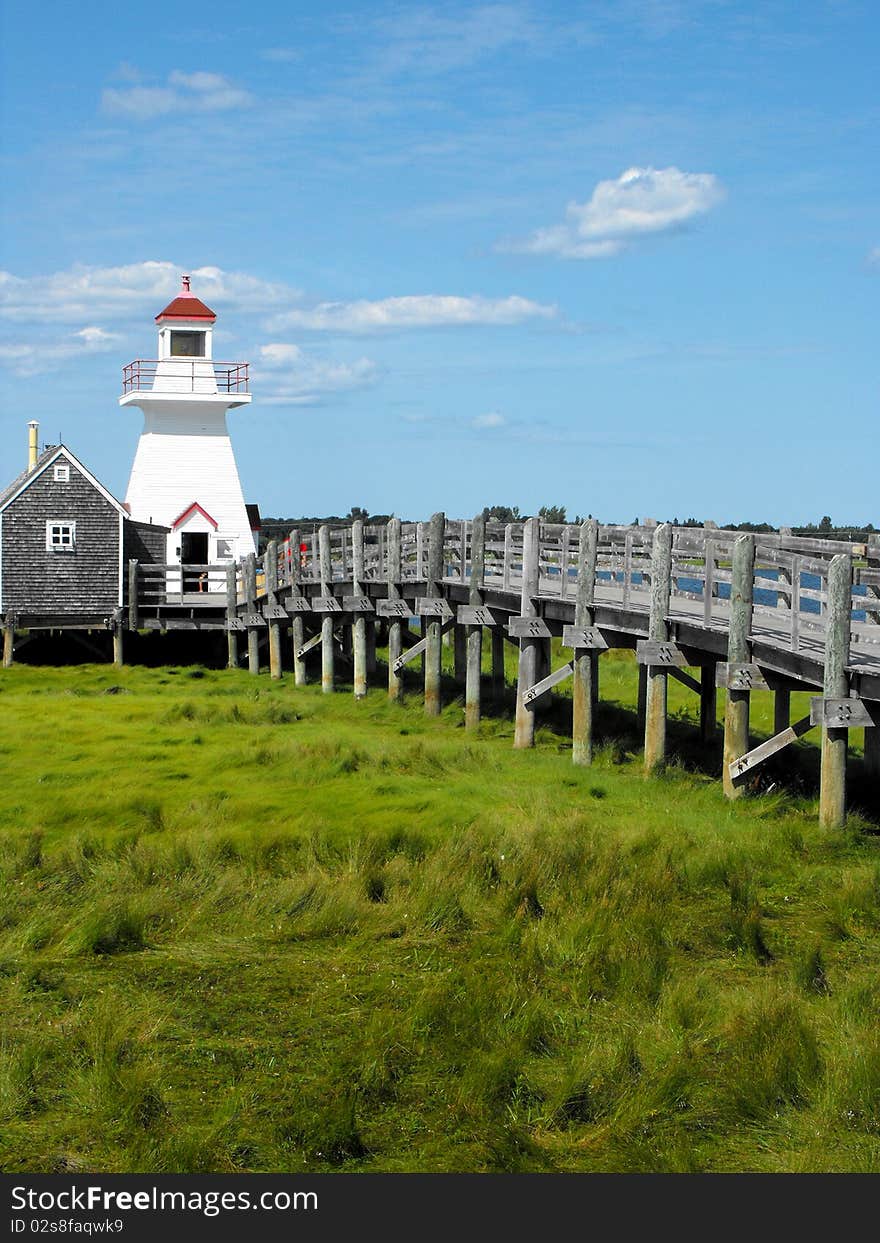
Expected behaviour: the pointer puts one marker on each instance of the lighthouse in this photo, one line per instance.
(184, 475)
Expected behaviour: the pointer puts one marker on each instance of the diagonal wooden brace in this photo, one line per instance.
(552, 679)
(417, 649)
(745, 763)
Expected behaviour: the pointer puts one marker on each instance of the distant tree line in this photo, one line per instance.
(280, 528)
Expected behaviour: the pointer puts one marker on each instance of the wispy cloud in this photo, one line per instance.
(288, 376)
(137, 288)
(491, 419)
(414, 311)
(874, 257)
(183, 92)
(641, 202)
(37, 357)
(281, 55)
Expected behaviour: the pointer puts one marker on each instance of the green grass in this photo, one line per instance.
(248, 927)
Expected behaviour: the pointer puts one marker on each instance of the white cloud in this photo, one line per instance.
(288, 376)
(135, 288)
(36, 357)
(184, 92)
(489, 420)
(414, 311)
(281, 55)
(641, 202)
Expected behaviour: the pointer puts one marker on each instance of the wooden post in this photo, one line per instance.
(395, 625)
(253, 635)
(133, 613)
(524, 729)
(642, 698)
(297, 624)
(434, 650)
(872, 752)
(270, 561)
(586, 662)
(708, 705)
(658, 630)
(474, 639)
(327, 654)
(359, 625)
(736, 711)
(498, 679)
(8, 640)
(231, 615)
(832, 788)
(118, 643)
(781, 710)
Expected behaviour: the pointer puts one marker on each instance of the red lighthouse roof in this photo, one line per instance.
(186, 306)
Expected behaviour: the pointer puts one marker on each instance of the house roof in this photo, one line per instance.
(44, 461)
(253, 513)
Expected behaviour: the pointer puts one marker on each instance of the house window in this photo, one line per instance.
(225, 550)
(187, 345)
(62, 473)
(60, 536)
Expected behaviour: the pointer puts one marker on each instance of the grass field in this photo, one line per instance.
(248, 927)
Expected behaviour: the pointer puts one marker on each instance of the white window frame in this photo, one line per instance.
(60, 535)
(224, 539)
(62, 472)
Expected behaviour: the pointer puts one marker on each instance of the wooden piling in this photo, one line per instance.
(297, 622)
(658, 630)
(231, 615)
(253, 634)
(586, 661)
(524, 728)
(326, 572)
(474, 636)
(270, 561)
(395, 625)
(133, 612)
(118, 641)
(434, 650)
(642, 698)
(8, 641)
(708, 705)
(736, 710)
(832, 787)
(359, 624)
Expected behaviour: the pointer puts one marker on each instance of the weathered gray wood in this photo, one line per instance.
(308, 644)
(736, 711)
(832, 782)
(474, 633)
(650, 652)
(844, 713)
(528, 628)
(587, 640)
(427, 606)
(325, 566)
(250, 589)
(118, 639)
(743, 764)
(642, 697)
(708, 705)
(740, 676)
(274, 613)
(133, 613)
(548, 682)
(297, 604)
(584, 638)
(478, 615)
(658, 631)
(359, 625)
(357, 604)
(231, 617)
(419, 648)
(270, 562)
(326, 604)
(524, 728)
(392, 608)
(435, 627)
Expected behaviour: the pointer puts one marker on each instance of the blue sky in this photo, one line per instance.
(622, 256)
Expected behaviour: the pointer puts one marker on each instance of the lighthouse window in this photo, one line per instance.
(188, 345)
(62, 473)
(60, 536)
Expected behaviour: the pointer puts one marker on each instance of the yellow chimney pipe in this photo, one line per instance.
(33, 450)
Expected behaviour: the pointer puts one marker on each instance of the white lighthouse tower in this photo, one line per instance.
(184, 474)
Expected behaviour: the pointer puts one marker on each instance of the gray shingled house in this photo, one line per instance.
(65, 542)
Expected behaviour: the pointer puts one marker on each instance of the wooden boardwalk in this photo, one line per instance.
(714, 609)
